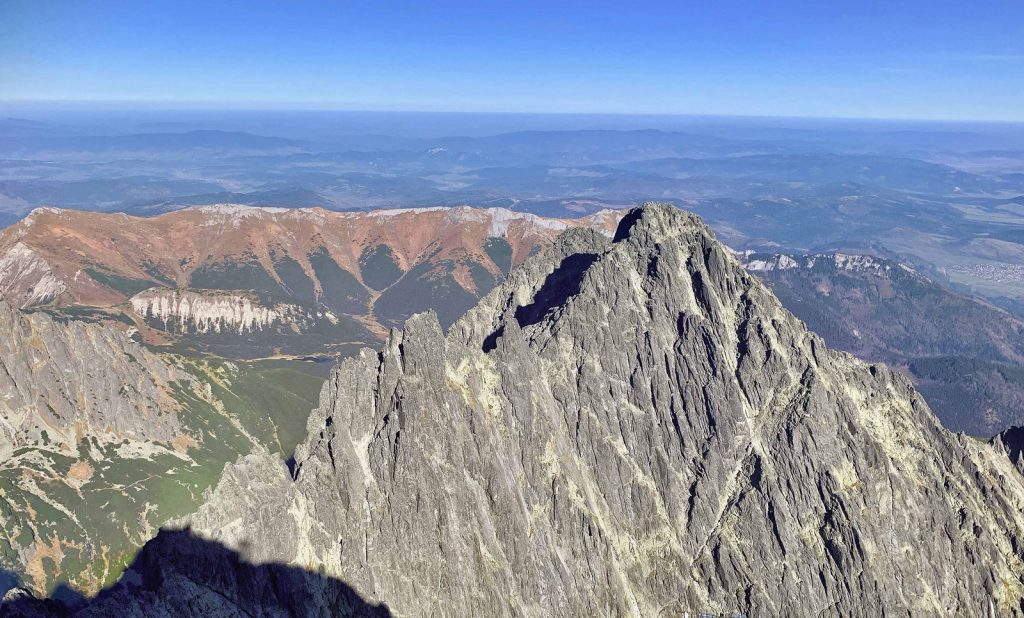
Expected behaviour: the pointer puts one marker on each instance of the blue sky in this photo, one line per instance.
(919, 59)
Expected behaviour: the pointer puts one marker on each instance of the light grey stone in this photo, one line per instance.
(633, 427)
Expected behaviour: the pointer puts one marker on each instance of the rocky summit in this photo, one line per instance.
(624, 427)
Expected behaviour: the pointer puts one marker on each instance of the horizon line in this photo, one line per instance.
(137, 105)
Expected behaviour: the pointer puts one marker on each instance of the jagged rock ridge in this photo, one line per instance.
(634, 427)
(965, 355)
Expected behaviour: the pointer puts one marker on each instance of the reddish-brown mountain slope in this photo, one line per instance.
(233, 271)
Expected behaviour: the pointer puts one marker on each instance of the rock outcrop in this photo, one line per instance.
(1011, 442)
(633, 427)
(60, 381)
(25, 277)
(965, 355)
(79, 403)
(103, 440)
(190, 311)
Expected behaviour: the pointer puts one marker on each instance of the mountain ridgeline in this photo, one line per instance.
(246, 282)
(633, 426)
(966, 356)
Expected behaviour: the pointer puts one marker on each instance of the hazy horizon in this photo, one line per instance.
(31, 107)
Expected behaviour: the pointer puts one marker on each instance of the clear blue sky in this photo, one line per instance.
(892, 59)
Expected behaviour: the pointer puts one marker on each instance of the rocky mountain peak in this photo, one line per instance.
(654, 222)
(625, 427)
(1011, 442)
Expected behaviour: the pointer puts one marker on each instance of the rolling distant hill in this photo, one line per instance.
(186, 140)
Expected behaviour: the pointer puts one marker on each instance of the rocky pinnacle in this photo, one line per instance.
(625, 427)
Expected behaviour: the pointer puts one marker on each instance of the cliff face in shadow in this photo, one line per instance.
(180, 574)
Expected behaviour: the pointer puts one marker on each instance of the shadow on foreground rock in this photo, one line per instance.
(180, 574)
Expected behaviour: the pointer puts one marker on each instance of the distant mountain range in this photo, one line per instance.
(245, 282)
(250, 282)
(940, 196)
(965, 354)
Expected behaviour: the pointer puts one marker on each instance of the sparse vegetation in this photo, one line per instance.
(125, 285)
(378, 267)
(125, 499)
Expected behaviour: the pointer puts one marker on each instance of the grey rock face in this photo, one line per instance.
(66, 380)
(82, 410)
(632, 428)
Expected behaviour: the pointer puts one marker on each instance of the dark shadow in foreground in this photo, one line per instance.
(180, 574)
